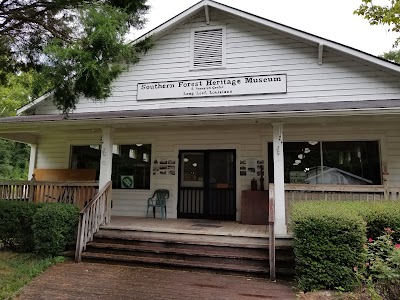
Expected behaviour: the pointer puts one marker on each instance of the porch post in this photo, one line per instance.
(106, 157)
(106, 168)
(279, 180)
(32, 160)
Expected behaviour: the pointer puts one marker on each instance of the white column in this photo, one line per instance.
(279, 180)
(32, 160)
(106, 157)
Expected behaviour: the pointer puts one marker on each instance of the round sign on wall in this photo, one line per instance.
(127, 182)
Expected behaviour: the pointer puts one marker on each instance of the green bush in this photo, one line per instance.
(381, 215)
(16, 219)
(381, 272)
(328, 243)
(54, 226)
(44, 228)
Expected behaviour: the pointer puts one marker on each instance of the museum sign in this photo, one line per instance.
(213, 87)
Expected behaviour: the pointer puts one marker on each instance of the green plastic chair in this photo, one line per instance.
(159, 199)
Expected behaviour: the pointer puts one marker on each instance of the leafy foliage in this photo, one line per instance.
(88, 66)
(44, 228)
(328, 243)
(14, 160)
(27, 26)
(54, 227)
(16, 219)
(393, 56)
(381, 271)
(382, 14)
(329, 239)
(16, 90)
(78, 47)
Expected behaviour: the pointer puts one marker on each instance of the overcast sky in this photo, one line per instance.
(330, 19)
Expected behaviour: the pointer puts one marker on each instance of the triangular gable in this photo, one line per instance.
(315, 41)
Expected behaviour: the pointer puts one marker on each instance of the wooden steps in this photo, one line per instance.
(196, 251)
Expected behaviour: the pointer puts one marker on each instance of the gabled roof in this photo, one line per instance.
(278, 27)
(204, 5)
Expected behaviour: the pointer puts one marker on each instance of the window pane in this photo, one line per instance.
(299, 158)
(192, 165)
(345, 163)
(131, 166)
(351, 162)
(86, 157)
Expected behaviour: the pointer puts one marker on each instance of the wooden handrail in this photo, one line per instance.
(94, 214)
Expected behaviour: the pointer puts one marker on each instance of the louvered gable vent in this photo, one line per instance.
(208, 48)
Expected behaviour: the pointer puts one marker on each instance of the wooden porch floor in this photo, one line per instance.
(188, 226)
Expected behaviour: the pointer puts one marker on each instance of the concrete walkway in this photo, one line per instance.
(112, 282)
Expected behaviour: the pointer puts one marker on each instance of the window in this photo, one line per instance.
(208, 48)
(192, 169)
(130, 167)
(314, 162)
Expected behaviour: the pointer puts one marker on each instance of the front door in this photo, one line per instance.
(207, 184)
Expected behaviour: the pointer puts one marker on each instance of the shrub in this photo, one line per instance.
(328, 243)
(54, 226)
(16, 219)
(381, 271)
(381, 215)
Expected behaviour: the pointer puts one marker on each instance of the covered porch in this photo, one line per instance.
(138, 147)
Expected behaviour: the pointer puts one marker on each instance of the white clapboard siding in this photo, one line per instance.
(249, 141)
(250, 50)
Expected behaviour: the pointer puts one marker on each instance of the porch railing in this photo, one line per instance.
(78, 193)
(94, 214)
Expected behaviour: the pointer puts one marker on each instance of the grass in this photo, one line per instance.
(16, 270)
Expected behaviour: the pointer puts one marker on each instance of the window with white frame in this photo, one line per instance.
(208, 48)
(130, 165)
(339, 162)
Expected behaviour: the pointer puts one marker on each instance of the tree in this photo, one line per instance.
(382, 14)
(78, 46)
(393, 56)
(27, 26)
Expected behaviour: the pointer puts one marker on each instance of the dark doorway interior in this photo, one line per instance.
(207, 184)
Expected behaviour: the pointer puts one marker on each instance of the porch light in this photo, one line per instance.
(139, 145)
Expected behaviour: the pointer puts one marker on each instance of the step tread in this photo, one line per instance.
(230, 241)
(223, 253)
(175, 262)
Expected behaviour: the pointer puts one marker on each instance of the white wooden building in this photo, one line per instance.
(222, 96)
